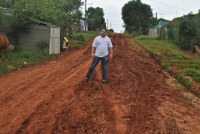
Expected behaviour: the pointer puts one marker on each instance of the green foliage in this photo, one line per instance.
(75, 43)
(194, 73)
(186, 34)
(1, 16)
(195, 41)
(185, 81)
(111, 30)
(95, 18)
(87, 35)
(3, 68)
(137, 17)
(19, 58)
(194, 19)
(63, 13)
(42, 45)
(173, 32)
(172, 57)
(80, 37)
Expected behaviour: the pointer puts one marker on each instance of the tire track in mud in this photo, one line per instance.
(42, 88)
(57, 100)
(118, 103)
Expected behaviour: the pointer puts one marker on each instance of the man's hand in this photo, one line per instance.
(93, 55)
(111, 57)
(93, 51)
(111, 54)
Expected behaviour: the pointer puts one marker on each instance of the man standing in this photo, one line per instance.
(101, 49)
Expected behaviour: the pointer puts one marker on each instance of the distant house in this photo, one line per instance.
(162, 22)
(83, 25)
(79, 27)
(163, 32)
(160, 30)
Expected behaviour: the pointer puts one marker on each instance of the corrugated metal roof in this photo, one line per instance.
(44, 23)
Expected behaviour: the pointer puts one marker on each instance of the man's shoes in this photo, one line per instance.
(86, 80)
(104, 81)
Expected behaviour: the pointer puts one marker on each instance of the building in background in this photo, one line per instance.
(160, 30)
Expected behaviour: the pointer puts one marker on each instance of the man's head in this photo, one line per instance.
(103, 32)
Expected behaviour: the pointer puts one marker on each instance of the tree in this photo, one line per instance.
(1, 16)
(72, 8)
(95, 18)
(63, 13)
(137, 17)
(186, 33)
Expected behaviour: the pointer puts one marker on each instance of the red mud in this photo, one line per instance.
(52, 98)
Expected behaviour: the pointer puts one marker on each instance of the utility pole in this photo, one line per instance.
(85, 15)
(107, 24)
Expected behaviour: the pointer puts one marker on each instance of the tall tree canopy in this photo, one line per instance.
(60, 12)
(1, 16)
(137, 17)
(95, 18)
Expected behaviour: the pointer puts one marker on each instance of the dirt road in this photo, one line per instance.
(52, 98)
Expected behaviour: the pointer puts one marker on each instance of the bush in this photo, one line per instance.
(3, 68)
(185, 81)
(1, 16)
(196, 41)
(42, 45)
(186, 33)
(195, 74)
(80, 37)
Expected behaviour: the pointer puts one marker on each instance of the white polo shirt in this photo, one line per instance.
(102, 44)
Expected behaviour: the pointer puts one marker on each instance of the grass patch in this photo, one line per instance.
(84, 36)
(81, 38)
(3, 68)
(194, 73)
(187, 65)
(19, 58)
(183, 80)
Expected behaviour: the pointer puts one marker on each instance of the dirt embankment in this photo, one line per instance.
(52, 98)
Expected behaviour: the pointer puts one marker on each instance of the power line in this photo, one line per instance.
(162, 3)
(97, 3)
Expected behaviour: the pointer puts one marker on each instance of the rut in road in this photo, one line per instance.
(52, 98)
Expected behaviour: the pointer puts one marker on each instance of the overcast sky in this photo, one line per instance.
(167, 9)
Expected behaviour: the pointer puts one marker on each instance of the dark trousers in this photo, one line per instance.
(104, 62)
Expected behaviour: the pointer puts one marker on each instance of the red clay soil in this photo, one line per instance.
(52, 97)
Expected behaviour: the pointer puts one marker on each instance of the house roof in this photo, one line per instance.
(42, 22)
(162, 22)
(8, 12)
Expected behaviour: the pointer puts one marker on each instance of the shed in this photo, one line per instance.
(41, 35)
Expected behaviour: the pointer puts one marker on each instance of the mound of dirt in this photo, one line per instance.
(52, 97)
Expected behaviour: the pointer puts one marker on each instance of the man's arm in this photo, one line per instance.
(111, 52)
(93, 51)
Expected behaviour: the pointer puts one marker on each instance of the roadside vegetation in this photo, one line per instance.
(18, 59)
(23, 58)
(79, 39)
(182, 64)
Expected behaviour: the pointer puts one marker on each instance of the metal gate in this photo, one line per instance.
(54, 45)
